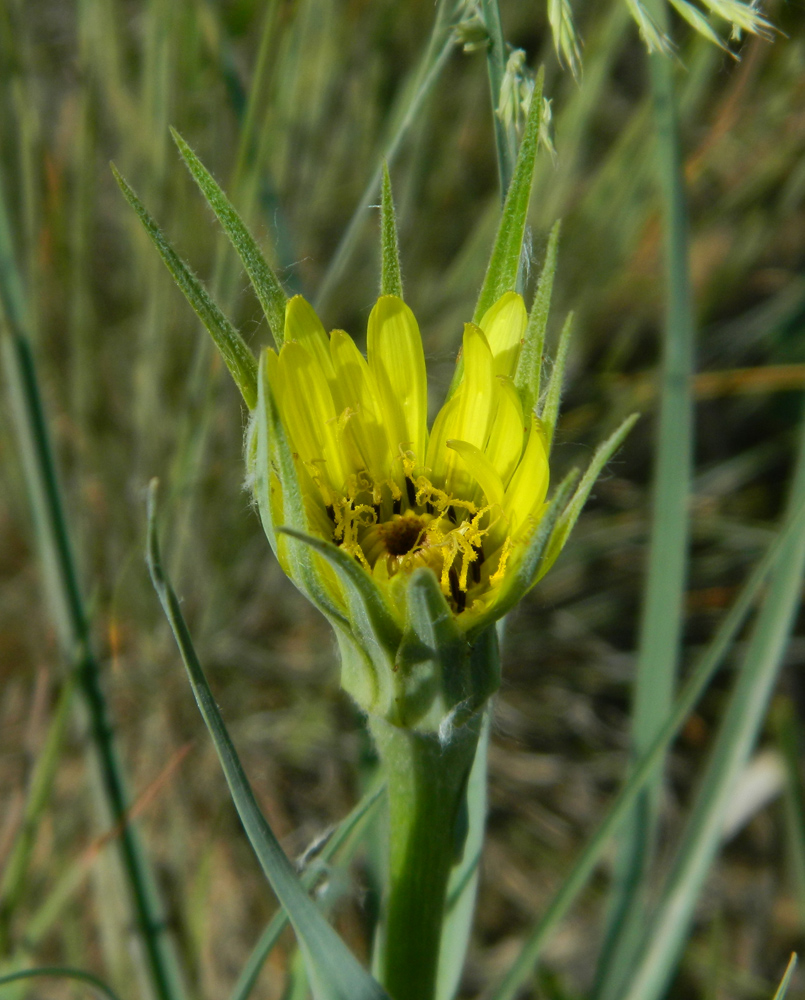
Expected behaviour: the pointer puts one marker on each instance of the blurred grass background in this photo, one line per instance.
(291, 104)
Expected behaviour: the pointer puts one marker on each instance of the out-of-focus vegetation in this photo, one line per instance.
(292, 104)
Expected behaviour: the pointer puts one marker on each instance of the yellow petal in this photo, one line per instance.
(505, 445)
(526, 493)
(397, 362)
(353, 389)
(475, 402)
(504, 324)
(304, 326)
(482, 470)
(309, 412)
(443, 428)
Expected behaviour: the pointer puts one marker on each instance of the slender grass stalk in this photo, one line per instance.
(663, 609)
(15, 870)
(664, 938)
(505, 136)
(789, 738)
(523, 967)
(67, 608)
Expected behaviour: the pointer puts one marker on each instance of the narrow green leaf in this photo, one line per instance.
(523, 967)
(369, 613)
(570, 514)
(335, 973)
(785, 982)
(61, 972)
(348, 830)
(790, 744)
(738, 732)
(504, 264)
(237, 356)
(266, 285)
(273, 450)
(662, 613)
(553, 396)
(390, 273)
(529, 366)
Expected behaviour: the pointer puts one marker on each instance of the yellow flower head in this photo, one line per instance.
(462, 500)
(411, 543)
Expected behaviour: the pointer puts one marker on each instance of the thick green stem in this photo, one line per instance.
(427, 781)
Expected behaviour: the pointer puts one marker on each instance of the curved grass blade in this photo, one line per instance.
(529, 366)
(390, 273)
(523, 967)
(785, 982)
(349, 829)
(736, 737)
(238, 358)
(662, 612)
(61, 972)
(335, 973)
(266, 285)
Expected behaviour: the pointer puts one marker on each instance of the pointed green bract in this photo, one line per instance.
(272, 449)
(334, 972)
(390, 273)
(529, 366)
(264, 281)
(504, 264)
(553, 396)
(238, 358)
(570, 514)
(369, 613)
(433, 655)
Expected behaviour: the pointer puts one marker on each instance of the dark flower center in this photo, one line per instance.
(402, 534)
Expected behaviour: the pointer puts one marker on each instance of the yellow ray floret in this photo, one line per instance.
(463, 501)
